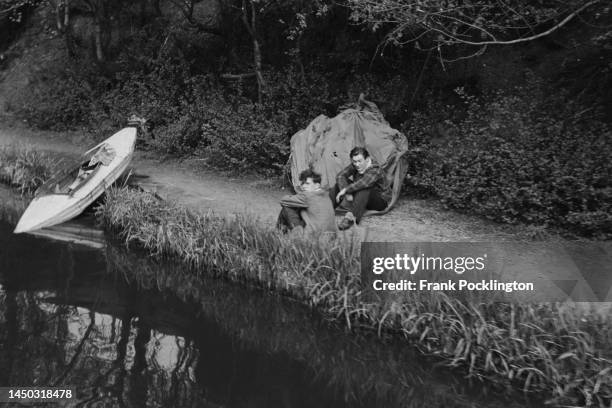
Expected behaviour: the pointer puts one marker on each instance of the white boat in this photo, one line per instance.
(71, 190)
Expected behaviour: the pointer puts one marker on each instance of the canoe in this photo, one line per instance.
(74, 188)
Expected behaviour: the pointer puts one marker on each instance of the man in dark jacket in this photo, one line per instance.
(361, 186)
(310, 208)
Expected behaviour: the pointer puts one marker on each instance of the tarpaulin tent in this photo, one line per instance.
(325, 144)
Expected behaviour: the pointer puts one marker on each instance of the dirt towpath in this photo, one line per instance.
(189, 184)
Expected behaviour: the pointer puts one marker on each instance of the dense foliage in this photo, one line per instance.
(522, 156)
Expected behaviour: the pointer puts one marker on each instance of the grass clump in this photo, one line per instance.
(24, 169)
(562, 352)
(237, 248)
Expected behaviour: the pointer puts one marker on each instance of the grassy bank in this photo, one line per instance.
(384, 374)
(22, 171)
(560, 351)
(25, 169)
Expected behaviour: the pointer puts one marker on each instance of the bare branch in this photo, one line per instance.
(7, 11)
(462, 24)
(539, 35)
(478, 53)
(234, 77)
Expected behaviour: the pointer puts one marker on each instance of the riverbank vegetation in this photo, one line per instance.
(505, 108)
(384, 374)
(560, 350)
(25, 169)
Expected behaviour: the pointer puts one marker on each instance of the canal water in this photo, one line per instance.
(91, 316)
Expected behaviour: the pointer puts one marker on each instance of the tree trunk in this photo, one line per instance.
(58, 16)
(62, 20)
(68, 29)
(258, 74)
(156, 7)
(98, 42)
(252, 29)
(99, 12)
(66, 13)
(143, 12)
(298, 59)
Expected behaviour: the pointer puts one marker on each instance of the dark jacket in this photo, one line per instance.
(373, 177)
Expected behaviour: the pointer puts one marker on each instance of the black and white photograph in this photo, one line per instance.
(306, 203)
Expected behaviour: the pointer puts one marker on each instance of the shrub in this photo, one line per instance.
(232, 131)
(24, 169)
(301, 98)
(59, 104)
(239, 134)
(521, 157)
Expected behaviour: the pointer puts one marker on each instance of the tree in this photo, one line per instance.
(252, 12)
(249, 18)
(62, 20)
(434, 24)
(101, 16)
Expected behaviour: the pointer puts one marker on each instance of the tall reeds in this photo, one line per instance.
(360, 369)
(24, 169)
(562, 351)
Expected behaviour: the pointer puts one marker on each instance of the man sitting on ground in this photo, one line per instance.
(310, 209)
(361, 186)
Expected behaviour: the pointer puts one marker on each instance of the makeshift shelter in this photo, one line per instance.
(325, 144)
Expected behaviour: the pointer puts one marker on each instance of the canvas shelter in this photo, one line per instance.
(325, 144)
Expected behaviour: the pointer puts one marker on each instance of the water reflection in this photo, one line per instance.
(78, 316)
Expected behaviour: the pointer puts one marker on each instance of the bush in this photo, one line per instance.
(232, 131)
(61, 103)
(25, 170)
(301, 98)
(523, 156)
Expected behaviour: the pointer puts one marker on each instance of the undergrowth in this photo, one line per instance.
(24, 169)
(520, 156)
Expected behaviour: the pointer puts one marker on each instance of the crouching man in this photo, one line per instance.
(361, 186)
(311, 209)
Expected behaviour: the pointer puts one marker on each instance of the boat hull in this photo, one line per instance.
(51, 209)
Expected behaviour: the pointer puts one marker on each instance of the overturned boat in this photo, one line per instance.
(74, 188)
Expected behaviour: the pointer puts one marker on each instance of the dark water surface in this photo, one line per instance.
(91, 317)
